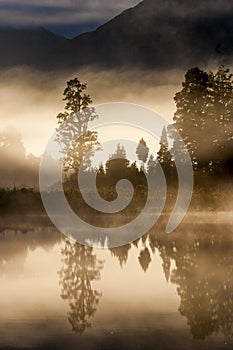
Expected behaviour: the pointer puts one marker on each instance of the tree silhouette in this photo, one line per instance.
(80, 268)
(189, 117)
(204, 117)
(142, 152)
(13, 156)
(178, 147)
(119, 153)
(164, 156)
(117, 166)
(221, 110)
(16, 169)
(75, 138)
(151, 166)
(222, 104)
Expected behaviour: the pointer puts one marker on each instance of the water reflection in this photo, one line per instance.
(203, 274)
(197, 259)
(144, 259)
(80, 268)
(16, 242)
(121, 253)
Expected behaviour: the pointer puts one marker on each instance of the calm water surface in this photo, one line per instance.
(161, 292)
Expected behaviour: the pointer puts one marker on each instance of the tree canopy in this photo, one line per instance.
(203, 117)
(72, 132)
(142, 151)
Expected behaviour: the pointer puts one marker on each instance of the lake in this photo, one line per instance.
(161, 292)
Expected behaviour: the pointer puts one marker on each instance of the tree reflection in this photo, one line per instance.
(17, 240)
(203, 273)
(121, 253)
(144, 259)
(80, 268)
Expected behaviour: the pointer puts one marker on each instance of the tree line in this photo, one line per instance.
(203, 119)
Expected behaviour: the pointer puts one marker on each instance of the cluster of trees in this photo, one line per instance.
(77, 142)
(20, 201)
(17, 169)
(118, 166)
(203, 119)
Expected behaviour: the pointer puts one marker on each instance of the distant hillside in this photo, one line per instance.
(31, 47)
(153, 34)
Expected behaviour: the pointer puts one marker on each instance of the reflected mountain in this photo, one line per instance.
(80, 268)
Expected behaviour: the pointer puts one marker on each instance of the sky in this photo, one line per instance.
(64, 17)
(22, 88)
(31, 100)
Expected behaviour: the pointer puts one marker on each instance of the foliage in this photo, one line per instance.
(72, 133)
(17, 169)
(151, 165)
(119, 153)
(164, 155)
(203, 117)
(142, 151)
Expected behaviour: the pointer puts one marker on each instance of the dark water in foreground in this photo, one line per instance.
(162, 292)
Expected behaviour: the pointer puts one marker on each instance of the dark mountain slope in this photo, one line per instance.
(31, 47)
(159, 33)
(153, 34)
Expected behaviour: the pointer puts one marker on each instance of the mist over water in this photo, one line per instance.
(160, 289)
(169, 290)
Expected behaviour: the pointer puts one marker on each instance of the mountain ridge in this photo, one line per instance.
(153, 34)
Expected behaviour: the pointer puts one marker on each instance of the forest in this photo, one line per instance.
(203, 119)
